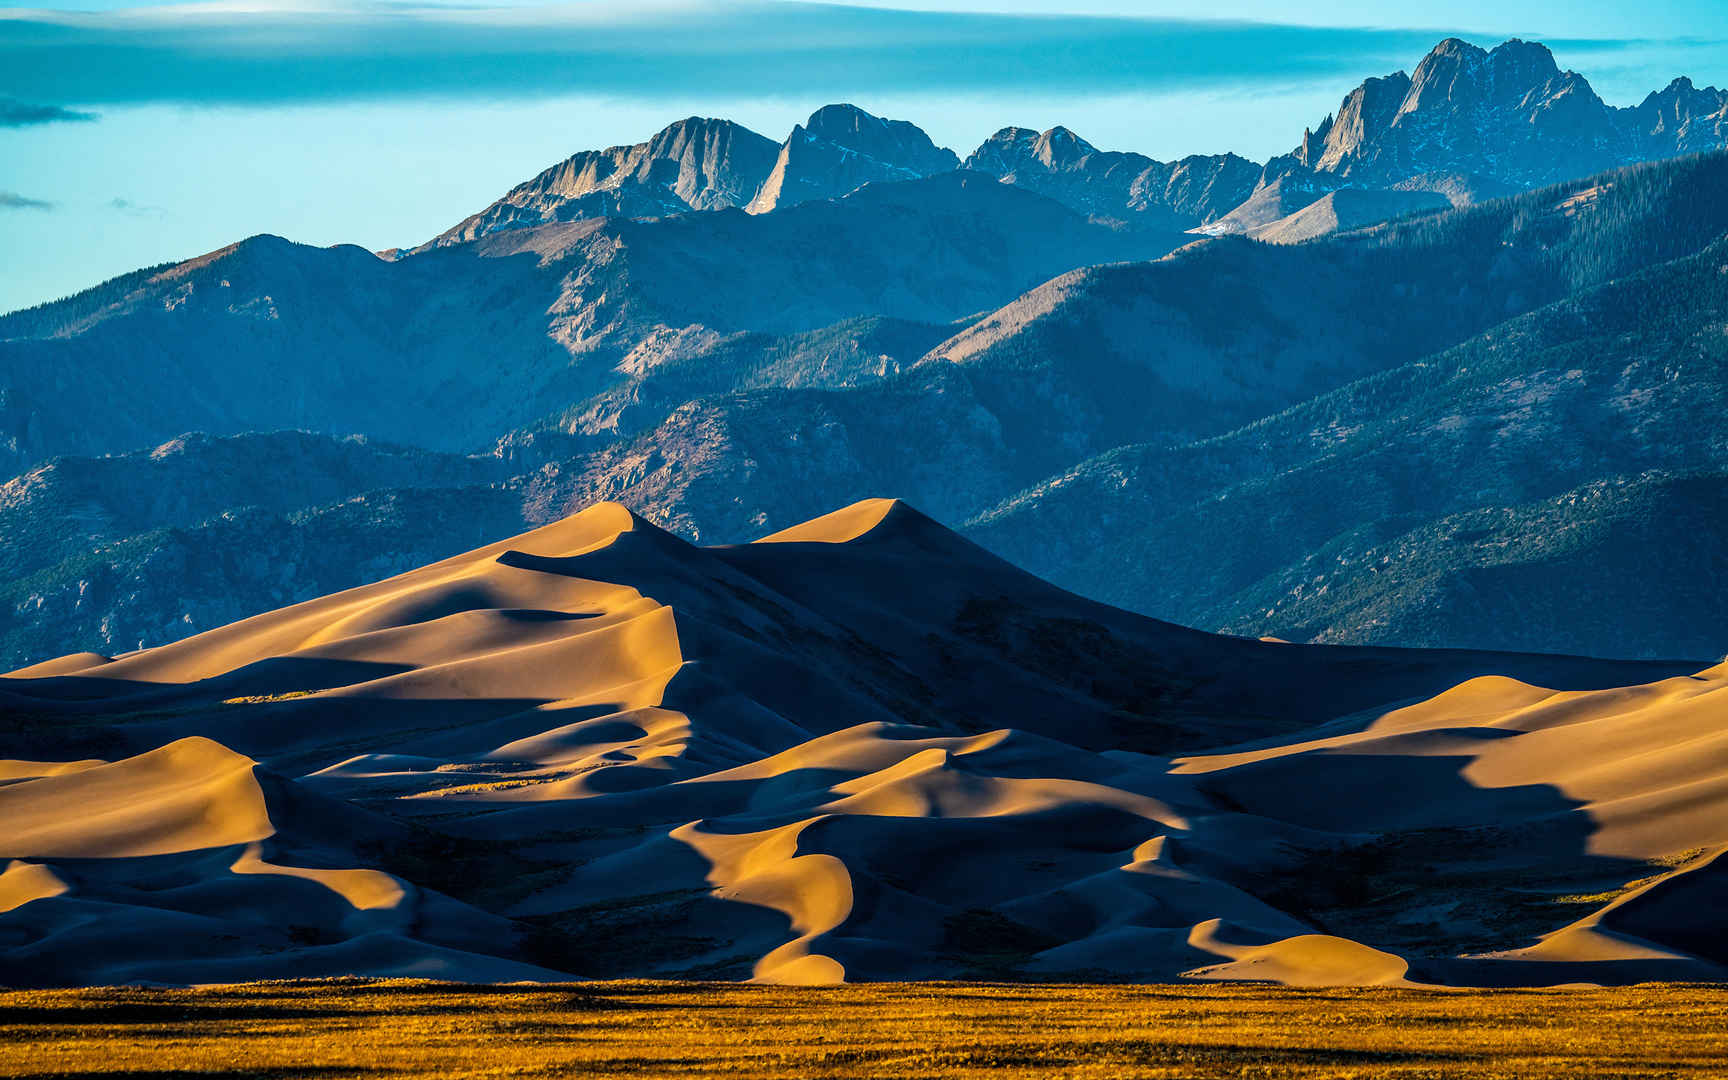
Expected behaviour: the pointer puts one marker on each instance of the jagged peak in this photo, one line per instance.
(1455, 46)
(1531, 58)
(842, 116)
(1061, 140)
(704, 124)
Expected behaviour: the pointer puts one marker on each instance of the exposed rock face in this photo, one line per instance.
(1471, 123)
(1510, 113)
(842, 147)
(694, 164)
(1110, 184)
(1682, 119)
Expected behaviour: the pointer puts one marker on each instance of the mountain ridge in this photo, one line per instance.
(1508, 117)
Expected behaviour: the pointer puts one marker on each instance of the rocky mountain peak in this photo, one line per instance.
(1059, 145)
(842, 147)
(698, 163)
(1000, 153)
(1507, 116)
(1116, 185)
(897, 143)
(1681, 114)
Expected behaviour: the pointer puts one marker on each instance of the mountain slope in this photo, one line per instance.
(1440, 487)
(722, 435)
(1470, 120)
(694, 164)
(1343, 210)
(1507, 576)
(121, 552)
(1226, 331)
(861, 748)
(466, 343)
(840, 149)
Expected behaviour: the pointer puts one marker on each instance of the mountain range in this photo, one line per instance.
(1406, 408)
(1468, 124)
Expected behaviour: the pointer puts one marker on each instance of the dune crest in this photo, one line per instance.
(365, 889)
(22, 882)
(190, 794)
(1307, 960)
(840, 527)
(765, 869)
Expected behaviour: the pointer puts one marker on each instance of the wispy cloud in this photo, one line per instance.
(133, 209)
(11, 200)
(219, 54)
(15, 113)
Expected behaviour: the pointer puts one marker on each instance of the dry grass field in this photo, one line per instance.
(414, 1029)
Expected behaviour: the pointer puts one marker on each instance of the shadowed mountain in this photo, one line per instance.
(119, 552)
(468, 342)
(859, 748)
(1214, 337)
(720, 436)
(1465, 497)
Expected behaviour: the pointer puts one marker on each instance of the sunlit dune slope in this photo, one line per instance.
(862, 748)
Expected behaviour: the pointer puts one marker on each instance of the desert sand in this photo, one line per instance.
(859, 749)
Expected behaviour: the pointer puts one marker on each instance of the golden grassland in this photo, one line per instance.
(352, 1028)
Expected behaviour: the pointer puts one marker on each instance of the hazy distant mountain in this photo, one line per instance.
(694, 164)
(1470, 121)
(707, 164)
(842, 147)
(1125, 186)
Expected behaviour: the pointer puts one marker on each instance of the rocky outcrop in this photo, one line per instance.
(694, 164)
(1115, 185)
(840, 149)
(1472, 123)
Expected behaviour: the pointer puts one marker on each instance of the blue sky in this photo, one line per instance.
(132, 134)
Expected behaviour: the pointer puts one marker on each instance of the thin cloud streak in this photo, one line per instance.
(15, 113)
(132, 209)
(208, 56)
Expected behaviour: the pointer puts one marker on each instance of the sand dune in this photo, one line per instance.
(861, 748)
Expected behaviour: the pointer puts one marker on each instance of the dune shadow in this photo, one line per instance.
(1402, 852)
